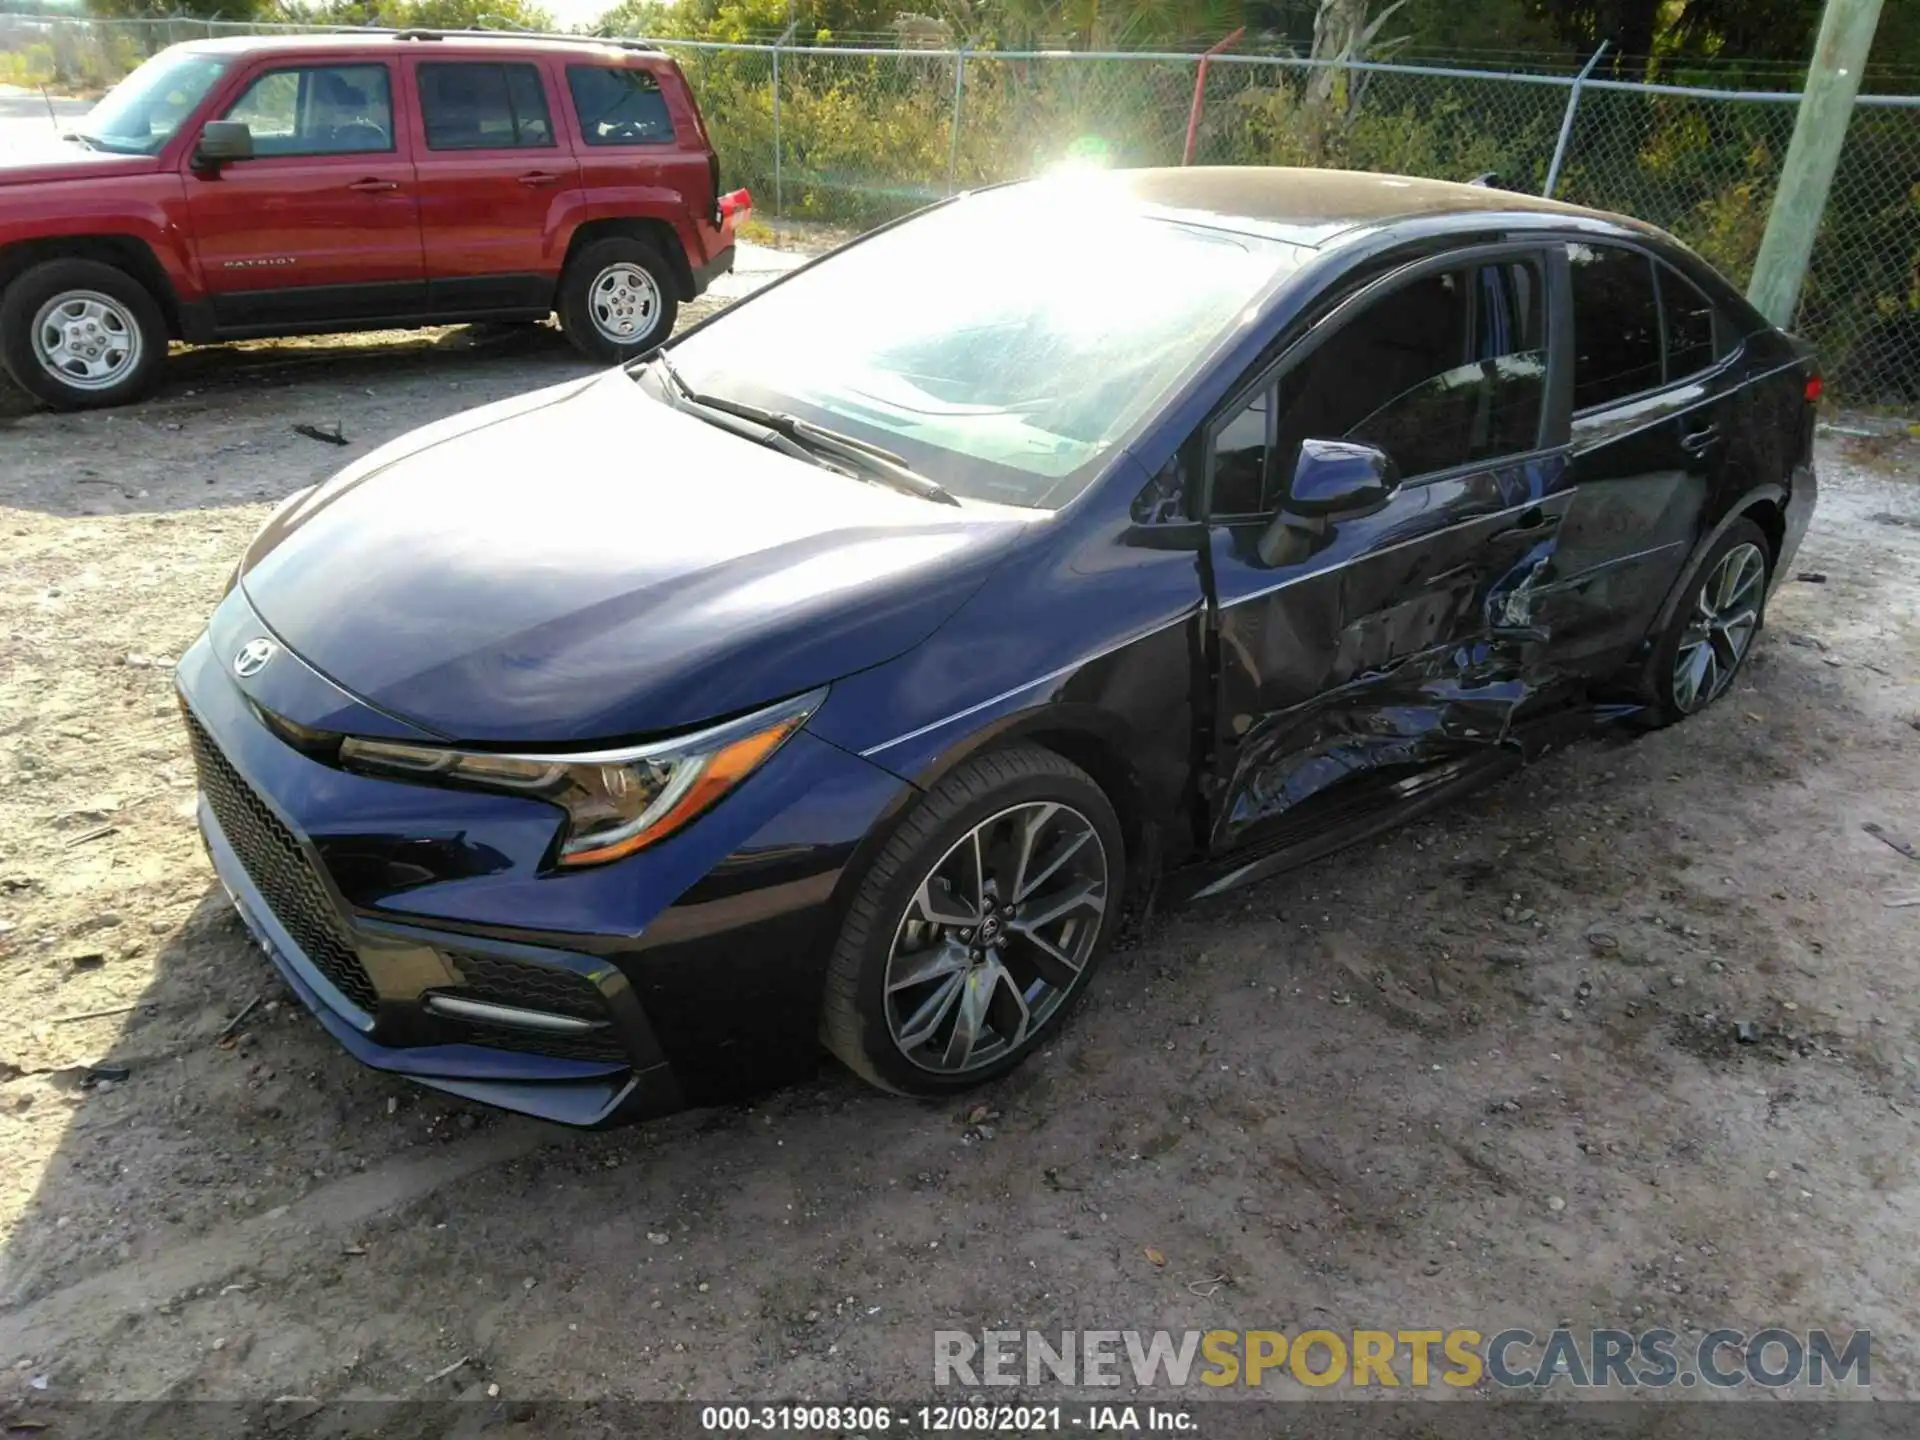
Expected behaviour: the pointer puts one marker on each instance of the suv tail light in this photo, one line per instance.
(1816, 387)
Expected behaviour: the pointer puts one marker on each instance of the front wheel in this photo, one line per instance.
(978, 926)
(617, 300)
(1712, 631)
(79, 334)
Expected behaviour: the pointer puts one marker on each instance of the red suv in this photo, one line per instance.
(300, 185)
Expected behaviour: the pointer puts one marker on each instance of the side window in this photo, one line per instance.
(484, 107)
(318, 110)
(1242, 446)
(619, 106)
(1689, 317)
(1445, 371)
(1616, 325)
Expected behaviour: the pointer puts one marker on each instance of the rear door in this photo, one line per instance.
(496, 182)
(1655, 424)
(321, 226)
(1358, 652)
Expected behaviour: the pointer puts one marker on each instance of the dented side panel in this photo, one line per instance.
(1371, 647)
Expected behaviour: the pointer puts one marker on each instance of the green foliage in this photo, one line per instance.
(428, 14)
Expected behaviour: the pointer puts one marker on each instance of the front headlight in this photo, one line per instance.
(617, 801)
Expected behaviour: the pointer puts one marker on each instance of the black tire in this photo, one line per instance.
(26, 297)
(587, 271)
(1660, 686)
(854, 1016)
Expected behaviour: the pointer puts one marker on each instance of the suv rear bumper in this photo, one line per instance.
(705, 275)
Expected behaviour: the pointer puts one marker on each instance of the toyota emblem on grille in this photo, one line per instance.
(253, 657)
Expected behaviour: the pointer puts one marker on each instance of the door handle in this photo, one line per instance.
(538, 177)
(1534, 524)
(371, 186)
(1700, 441)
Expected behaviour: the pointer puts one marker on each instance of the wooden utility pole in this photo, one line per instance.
(1826, 105)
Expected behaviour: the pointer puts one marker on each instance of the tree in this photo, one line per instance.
(423, 14)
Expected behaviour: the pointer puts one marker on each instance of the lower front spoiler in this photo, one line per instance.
(569, 1092)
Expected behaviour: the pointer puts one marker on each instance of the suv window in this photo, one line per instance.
(1445, 371)
(318, 110)
(484, 107)
(617, 106)
(1689, 317)
(1616, 325)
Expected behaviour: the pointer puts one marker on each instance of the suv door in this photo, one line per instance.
(1655, 397)
(320, 227)
(496, 185)
(1357, 652)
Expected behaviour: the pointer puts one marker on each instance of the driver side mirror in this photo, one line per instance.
(221, 143)
(1334, 477)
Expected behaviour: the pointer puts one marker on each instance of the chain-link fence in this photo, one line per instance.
(853, 136)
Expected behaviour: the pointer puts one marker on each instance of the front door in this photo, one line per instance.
(496, 183)
(1358, 652)
(321, 227)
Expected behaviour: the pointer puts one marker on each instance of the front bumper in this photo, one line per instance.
(419, 925)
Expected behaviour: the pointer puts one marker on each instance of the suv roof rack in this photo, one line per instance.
(622, 42)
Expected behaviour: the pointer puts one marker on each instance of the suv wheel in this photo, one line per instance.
(79, 334)
(977, 927)
(617, 300)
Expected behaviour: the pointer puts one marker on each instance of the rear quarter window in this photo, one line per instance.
(618, 105)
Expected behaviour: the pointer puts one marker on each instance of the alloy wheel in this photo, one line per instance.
(1726, 613)
(623, 301)
(86, 340)
(995, 937)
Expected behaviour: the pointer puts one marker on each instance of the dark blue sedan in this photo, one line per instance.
(838, 674)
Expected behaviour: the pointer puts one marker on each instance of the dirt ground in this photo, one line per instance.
(1484, 1072)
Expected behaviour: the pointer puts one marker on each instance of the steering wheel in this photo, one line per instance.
(359, 135)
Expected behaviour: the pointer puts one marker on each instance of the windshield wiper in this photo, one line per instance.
(681, 396)
(874, 459)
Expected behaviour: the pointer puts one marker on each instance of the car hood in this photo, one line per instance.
(585, 563)
(57, 159)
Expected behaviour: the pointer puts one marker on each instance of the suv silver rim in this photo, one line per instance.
(1724, 619)
(624, 302)
(995, 937)
(86, 340)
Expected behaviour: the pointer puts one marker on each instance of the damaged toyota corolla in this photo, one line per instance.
(832, 676)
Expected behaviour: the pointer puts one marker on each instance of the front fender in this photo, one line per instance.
(147, 210)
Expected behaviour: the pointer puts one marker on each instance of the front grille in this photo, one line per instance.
(278, 867)
(502, 981)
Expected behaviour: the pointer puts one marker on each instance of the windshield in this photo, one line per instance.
(142, 112)
(998, 356)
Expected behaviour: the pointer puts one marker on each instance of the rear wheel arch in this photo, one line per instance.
(126, 253)
(1765, 505)
(654, 232)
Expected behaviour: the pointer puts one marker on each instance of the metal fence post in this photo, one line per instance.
(953, 134)
(1566, 125)
(779, 205)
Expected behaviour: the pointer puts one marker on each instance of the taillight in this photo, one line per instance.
(1816, 387)
(713, 176)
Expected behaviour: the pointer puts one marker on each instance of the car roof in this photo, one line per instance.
(426, 43)
(1315, 207)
